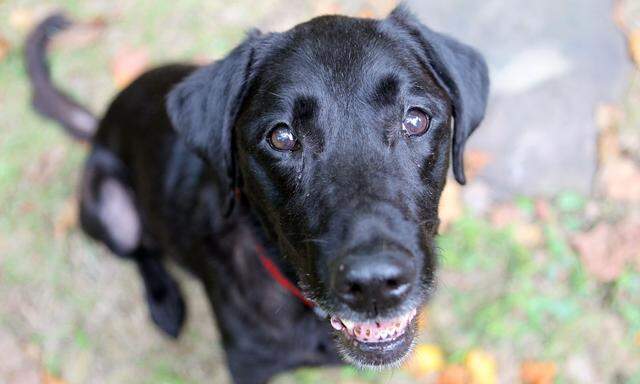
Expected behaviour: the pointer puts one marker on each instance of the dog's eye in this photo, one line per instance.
(281, 138)
(415, 122)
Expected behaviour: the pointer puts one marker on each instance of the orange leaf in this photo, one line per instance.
(66, 218)
(506, 214)
(128, 64)
(450, 208)
(422, 320)
(324, 7)
(5, 47)
(634, 46)
(538, 372)
(426, 359)
(47, 378)
(475, 161)
(529, 235)
(482, 367)
(22, 19)
(608, 117)
(454, 374)
(366, 13)
(605, 249)
(620, 179)
(543, 210)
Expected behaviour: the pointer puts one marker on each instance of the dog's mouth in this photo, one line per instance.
(376, 343)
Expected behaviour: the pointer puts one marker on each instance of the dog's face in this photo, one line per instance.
(339, 132)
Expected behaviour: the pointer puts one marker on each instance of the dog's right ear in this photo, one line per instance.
(203, 109)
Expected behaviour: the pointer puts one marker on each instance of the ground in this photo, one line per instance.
(536, 288)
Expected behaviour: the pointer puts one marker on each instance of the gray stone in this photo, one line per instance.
(552, 62)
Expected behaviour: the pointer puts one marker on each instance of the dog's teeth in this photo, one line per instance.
(336, 323)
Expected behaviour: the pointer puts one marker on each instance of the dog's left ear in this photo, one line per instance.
(459, 69)
(203, 109)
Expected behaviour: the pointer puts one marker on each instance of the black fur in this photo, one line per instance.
(356, 187)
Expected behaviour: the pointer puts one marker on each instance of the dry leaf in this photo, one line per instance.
(451, 207)
(593, 247)
(538, 372)
(543, 210)
(48, 378)
(637, 339)
(15, 365)
(608, 118)
(475, 161)
(22, 19)
(482, 367)
(506, 214)
(529, 235)
(66, 219)
(366, 13)
(605, 250)
(620, 179)
(427, 359)
(454, 374)
(5, 47)
(80, 34)
(324, 7)
(128, 64)
(422, 320)
(634, 46)
(46, 166)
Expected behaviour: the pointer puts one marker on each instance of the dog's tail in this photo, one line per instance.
(47, 99)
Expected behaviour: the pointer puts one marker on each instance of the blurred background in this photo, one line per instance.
(540, 252)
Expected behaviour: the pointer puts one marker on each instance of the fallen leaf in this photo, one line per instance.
(22, 19)
(5, 47)
(595, 253)
(605, 249)
(451, 207)
(366, 13)
(608, 118)
(66, 219)
(15, 365)
(454, 374)
(634, 46)
(325, 7)
(529, 234)
(482, 367)
(127, 64)
(638, 339)
(48, 378)
(543, 210)
(475, 161)
(80, 34)
(422, 320)
(620, 180)
(538, 372)
(46, 166)
(506, 214)
(427, 359)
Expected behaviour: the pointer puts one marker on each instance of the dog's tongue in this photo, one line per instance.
(376, 331)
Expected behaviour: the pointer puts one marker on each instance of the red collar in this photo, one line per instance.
(274, 271)
(280, 278)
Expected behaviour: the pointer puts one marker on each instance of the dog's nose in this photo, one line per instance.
(373, 284)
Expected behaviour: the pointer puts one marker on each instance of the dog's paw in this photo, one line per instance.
(167, 308)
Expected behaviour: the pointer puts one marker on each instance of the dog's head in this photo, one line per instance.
(339, 132)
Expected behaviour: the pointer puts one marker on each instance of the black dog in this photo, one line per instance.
(317, 155)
